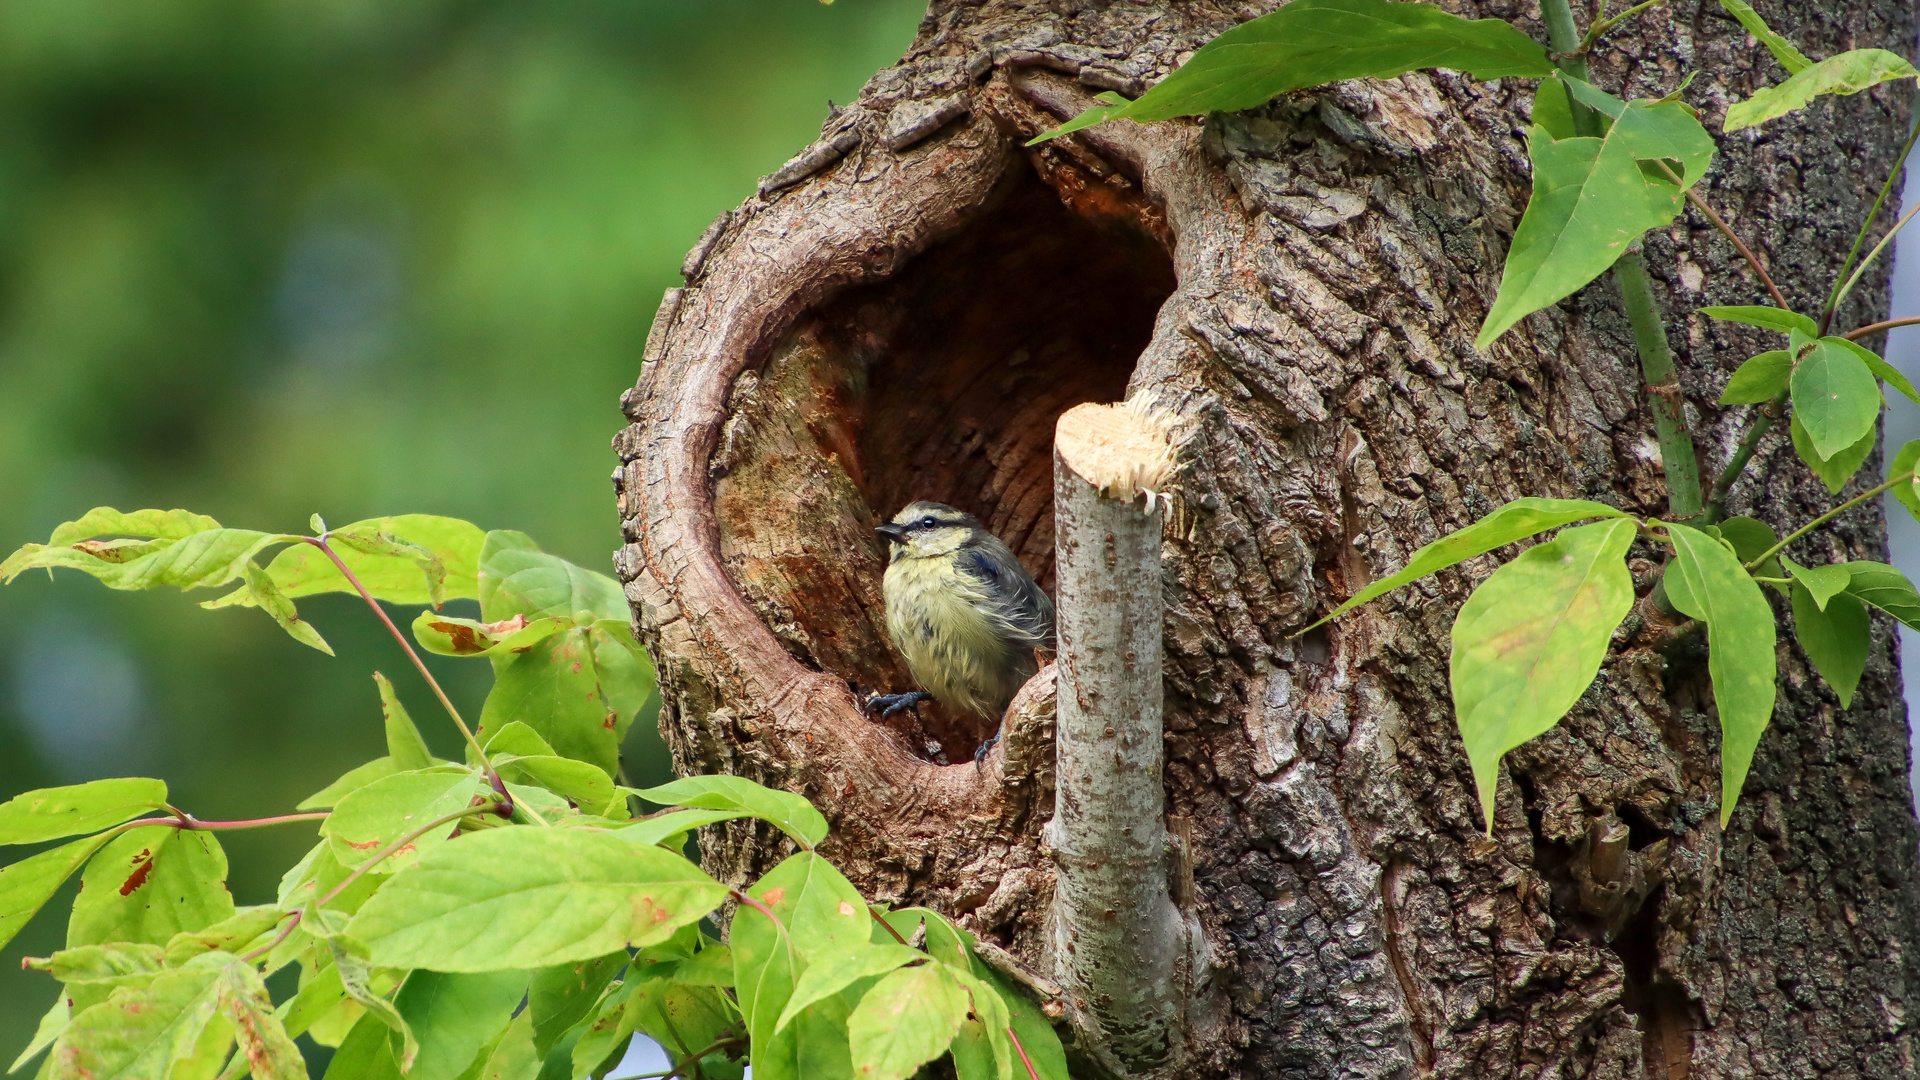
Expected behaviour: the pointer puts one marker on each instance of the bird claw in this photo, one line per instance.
(888, 704)
(980, 755)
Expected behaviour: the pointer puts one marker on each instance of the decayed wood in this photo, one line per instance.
(1302, 284)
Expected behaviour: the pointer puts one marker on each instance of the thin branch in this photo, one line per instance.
(1874, 328)
(1903, 478)
(1024, 1059)
(879, 918)
(1601, 26)
(493, 776)
(1761, 423)
(1738, 245)
(1677, 455)
(1874, 254)
(194, 824)
(1833, 297)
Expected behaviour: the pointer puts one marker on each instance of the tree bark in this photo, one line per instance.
(906, 308)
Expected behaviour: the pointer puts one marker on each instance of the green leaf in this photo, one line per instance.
(1835, 636)
(909, 1018)
(512, 1057)
(356, 977)
(450, 636)
(379, 544)
(1038, 1040)
(1837, 470)
(365, 1054)
(1885, 588)
(405, 747)
(263, 1041)
(607, 1033)
(1531, 638)
(52, 1023)
(1822, 583)
(398, 574)
(455, 1015)
(267, 596)
(1592, 197)
(517, 578)
(1749, 537)
(141, 1032)
(318, 995)
(26, 886)
(1771, 318)
(766, 964)
(92, 973)
(833, 972)
(201, 560)
(1782, 50)
(369, 819)
(353, 780)
(711, 966)
(1761, 378)
(231, 934)
(1847, 73)
(1516, 520)
(1309, 42)
(525, 897)
(1834, 396)
(1706, 581)
(50, 813)
(153, 524)
(687, 1019)
(656, 830)
(1906, 461)
(1882, 370)
(554, 687)
(149, 884)
(562, 995)
(584, 785)
(786, 811)
(1553, 109)
(990, 1014)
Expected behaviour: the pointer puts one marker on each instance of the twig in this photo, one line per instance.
(361, 871)
(1757, 428)
(1663, 388)
(1738, 245)
(1874, 254)
(193, 824)
(493, 776)
(1833, 297)
(1874, 328)
(1024, 1059)
(1903, 478)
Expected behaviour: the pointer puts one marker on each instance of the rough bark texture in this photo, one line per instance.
(907, 306)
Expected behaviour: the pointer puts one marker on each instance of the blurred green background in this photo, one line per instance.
(261, 258)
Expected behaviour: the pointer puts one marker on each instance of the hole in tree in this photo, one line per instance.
(942, 382)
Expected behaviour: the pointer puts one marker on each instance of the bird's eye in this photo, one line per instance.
(927, 523)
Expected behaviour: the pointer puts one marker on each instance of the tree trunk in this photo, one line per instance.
(906, 308)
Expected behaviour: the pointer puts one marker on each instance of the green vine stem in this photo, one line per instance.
(1874, 328)
(1860, 239)
(1664, 396)
(1874, 492)
(1762, 422)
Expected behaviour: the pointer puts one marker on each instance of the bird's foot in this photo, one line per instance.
(888, 704)
(980, 755)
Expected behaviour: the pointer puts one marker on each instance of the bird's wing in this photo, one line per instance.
(1016, 599)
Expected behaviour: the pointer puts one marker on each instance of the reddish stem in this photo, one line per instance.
(1747, 253)
(1024, 1060)
(1874, 328)
(189, 822)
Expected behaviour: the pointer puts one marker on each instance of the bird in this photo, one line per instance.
(967, 617)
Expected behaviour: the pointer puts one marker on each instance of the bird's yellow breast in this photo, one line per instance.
(941, 619)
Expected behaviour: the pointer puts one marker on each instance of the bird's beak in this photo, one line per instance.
(895, 533)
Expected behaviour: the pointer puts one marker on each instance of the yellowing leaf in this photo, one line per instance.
(1530, 639)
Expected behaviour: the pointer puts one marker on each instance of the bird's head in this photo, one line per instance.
(924, 530)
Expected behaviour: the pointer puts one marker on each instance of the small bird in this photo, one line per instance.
(962, 610)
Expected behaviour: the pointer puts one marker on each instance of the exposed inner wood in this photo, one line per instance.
(942, 383)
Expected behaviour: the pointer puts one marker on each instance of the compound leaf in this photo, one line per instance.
(26, 886)
(149, 884)
(907, 1019)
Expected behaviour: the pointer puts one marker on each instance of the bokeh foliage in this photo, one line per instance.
(268, 257)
